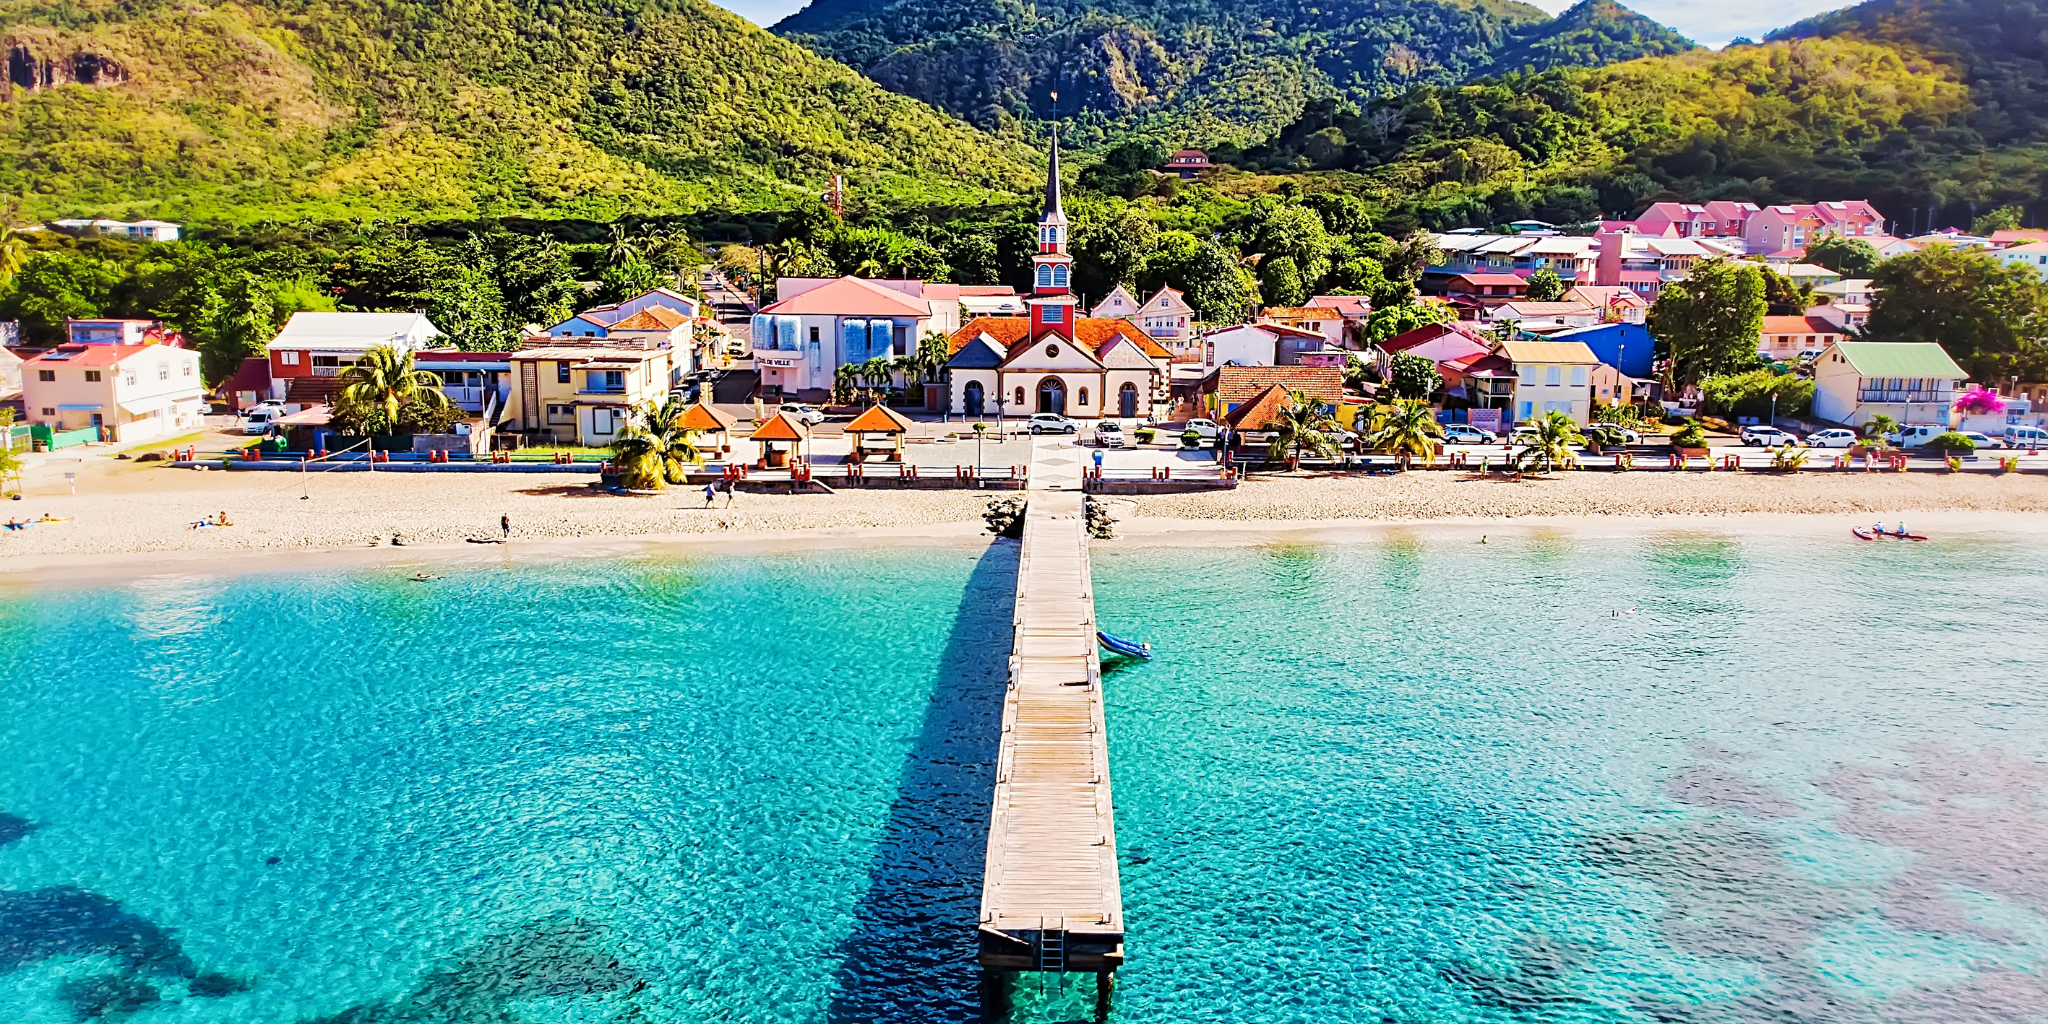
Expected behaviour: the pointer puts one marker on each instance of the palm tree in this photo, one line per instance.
(384, 384)
(1879, 426)
(14, 254)
(1408, 425)
(675, 446)
(623, 247)
(929, 361)
(1555, 434)
(1303, 423)
(636, 454)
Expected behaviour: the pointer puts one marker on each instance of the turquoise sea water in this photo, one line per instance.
(1418, 780)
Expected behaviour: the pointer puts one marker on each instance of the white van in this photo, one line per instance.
(258, 420)
(2017, 436)
(1915, 435)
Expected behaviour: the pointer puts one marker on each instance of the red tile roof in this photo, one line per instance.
(1235, 384)
(1427, 333)
(1260, 412)
(1486, 279)
(1301, 313)
(879, 419)
(1097, 333)
(653, 318)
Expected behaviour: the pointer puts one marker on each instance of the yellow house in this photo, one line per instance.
(583, 396)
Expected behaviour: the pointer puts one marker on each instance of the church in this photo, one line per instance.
(1054, 360)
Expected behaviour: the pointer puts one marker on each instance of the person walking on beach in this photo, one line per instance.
(505, 527)
(728, 493)
(710, 493)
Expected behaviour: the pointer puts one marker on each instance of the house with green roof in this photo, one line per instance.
(1910, 381)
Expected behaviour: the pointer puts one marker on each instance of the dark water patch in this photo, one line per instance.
(911, 954)
(63, 921)
(1540, 983)
(14, 828)
(1724, 789)
(1974, 819)
(562, 956)
(107, 996)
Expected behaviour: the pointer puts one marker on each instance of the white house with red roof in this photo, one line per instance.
(130, 392)
(2031, 255)
(1784, 338)
(819, 325)
(1438, 343)
(1054, 361)
(596, 321)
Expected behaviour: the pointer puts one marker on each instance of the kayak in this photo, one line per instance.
(1118, 645)
(1863, 534)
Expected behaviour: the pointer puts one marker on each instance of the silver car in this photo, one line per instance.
(1053, 423)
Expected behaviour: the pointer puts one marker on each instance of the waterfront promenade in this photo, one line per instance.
(1051, 899)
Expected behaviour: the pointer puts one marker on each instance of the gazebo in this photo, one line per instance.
(710, 425)
(878, 433)
(773, 435)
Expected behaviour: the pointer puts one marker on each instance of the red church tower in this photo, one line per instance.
(1053, 306)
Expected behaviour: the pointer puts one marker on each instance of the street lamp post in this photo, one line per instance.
(979, 429)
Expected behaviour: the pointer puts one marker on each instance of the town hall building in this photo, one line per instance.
(1054, 360)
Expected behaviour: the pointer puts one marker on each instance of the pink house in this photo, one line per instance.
(1718, 219)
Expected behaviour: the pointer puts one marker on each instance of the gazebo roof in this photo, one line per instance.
(704, 417)
(780, 427)
(879, 419)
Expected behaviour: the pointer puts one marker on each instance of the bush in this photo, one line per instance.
(1145, 435)
(1692, 435)
(1749, 394)
(1952, 442)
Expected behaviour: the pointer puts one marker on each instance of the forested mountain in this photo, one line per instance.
(1198, 71)
(1898, 121)
(272, 108)
(2000, 47)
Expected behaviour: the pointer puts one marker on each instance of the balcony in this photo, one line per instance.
(1900, 397)
(327, 371)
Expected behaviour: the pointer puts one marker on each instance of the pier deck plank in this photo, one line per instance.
(1051, 859)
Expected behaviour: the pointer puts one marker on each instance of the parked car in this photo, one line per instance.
(1053, 423)
(804, 413)
(1526, 435)
(1466, 433)
(2017, 436)
(1110, 434)
(1761, 436)
(1205, 429)
(258, 420)
(1833, 437)
(1982, 441)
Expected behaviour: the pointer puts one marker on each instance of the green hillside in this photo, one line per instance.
(439, 108)
(1197, 71)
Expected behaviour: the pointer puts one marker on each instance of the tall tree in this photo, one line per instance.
(1710, 322)
(1849, 257)
(1978, 308)
(1545, 286)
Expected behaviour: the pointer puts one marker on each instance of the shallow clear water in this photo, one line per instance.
(1411, 781)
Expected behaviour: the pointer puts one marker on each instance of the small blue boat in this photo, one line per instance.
(1128, 648)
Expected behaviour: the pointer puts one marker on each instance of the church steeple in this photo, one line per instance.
(1052, 302)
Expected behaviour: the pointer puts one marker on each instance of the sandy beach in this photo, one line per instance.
(127, 512)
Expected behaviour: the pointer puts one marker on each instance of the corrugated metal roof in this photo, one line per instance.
(1899, 359)
(1548, 352)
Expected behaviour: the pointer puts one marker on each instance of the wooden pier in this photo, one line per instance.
(1050, 898)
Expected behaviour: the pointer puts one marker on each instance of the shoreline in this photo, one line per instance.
(129, 520)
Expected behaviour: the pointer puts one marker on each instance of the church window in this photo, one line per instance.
(1084, 396)
(1045, 275)
(1052, 351)
(1059, 276)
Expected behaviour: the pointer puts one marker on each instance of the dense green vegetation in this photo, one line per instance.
(339, 108)
(1198, 72)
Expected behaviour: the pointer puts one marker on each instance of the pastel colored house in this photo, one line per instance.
(1544, 316)
(115, 332)
(1241, 345)
(1627, 348)
(1785, 337)
(1912, 382)
(313, 348)
(1117, 305)
(801, 340)
(1319, 320)
(597, 321)
(1231, 388)
(1438, 343)
(583, 395)
(1552, 376)
(474, 381)
(1615, 303)
(140, 230)
(128, 392)
(2031, 255)
(1166, 318)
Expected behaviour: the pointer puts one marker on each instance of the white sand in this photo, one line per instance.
(129, 514)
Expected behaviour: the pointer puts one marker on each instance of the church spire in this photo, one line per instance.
(1052, 179)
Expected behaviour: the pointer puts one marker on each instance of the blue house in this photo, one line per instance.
(1626, 347)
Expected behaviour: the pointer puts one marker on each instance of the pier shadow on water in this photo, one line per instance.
(911, 954)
